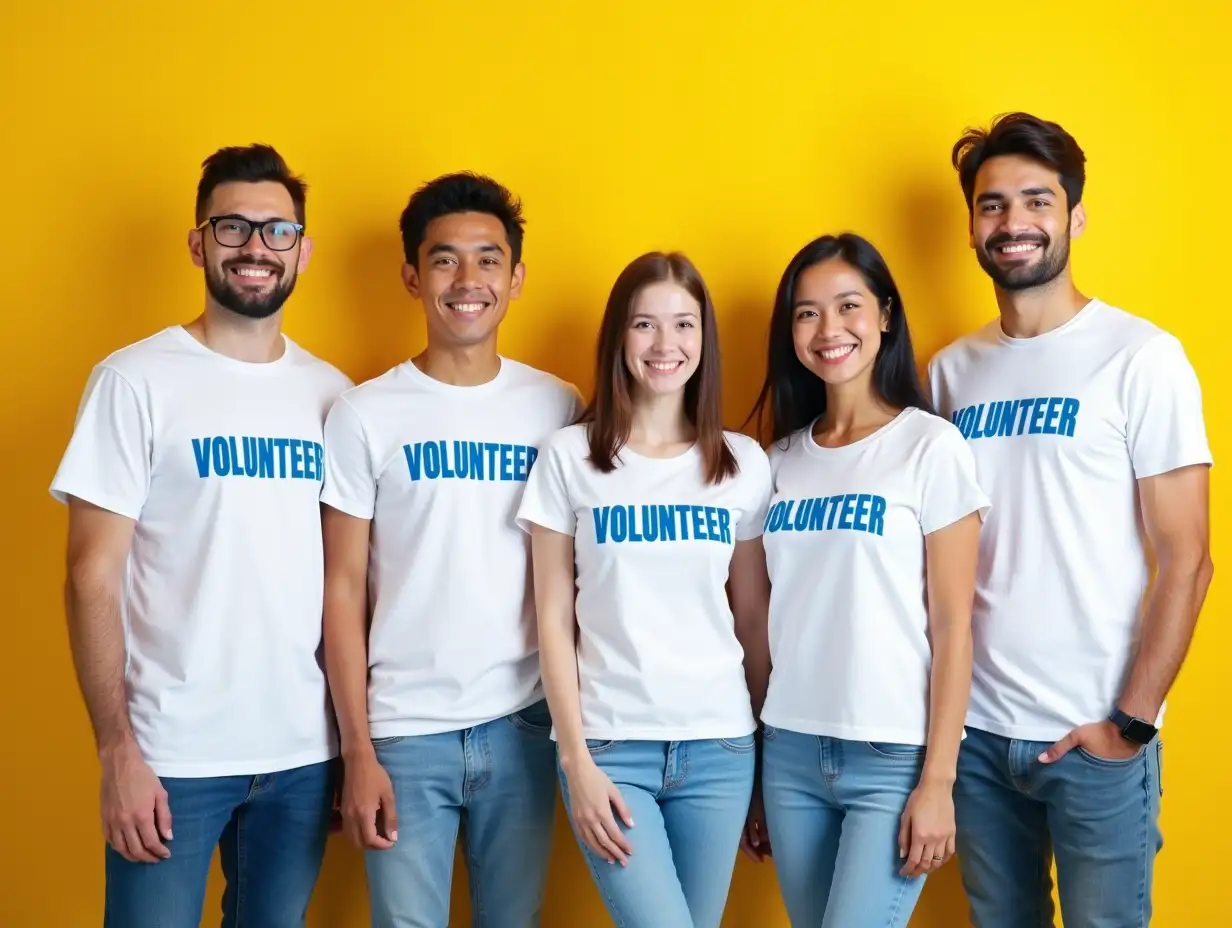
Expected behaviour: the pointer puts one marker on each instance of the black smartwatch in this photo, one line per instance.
(1131, 728)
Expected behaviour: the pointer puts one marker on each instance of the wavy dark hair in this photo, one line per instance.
(609, 415)
(792, 395)
(1026, 135)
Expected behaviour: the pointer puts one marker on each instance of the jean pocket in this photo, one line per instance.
(534, 718)
(600, 745)
(895, 750)
(768, 732)
(1111, 761)
(745, 744)
(386, 742)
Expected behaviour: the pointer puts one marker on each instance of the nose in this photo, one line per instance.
(831, 324)
(1015, 218)
(665, 337)
(255, 247)
(467, 277)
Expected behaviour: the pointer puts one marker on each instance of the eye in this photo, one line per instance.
(686, 324)
(1041, 204)
(805, 313)
(989, 207)
(849, 305)
(491, 262)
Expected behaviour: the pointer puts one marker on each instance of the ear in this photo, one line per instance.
(885, 315)
(970, 229)
(196, 247)
(1077, 221)
(305, 252)
(410, 279)
(515, 285)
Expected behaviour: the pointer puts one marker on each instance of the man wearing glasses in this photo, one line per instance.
(194, 590)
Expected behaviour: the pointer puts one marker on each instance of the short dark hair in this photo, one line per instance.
(463, 192)
(1028, 136)
(250, 164)
(792, 394)
(610, 413)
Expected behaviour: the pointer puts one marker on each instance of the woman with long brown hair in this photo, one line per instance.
(656, 508)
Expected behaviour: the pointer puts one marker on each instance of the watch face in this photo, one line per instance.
(1139, 731)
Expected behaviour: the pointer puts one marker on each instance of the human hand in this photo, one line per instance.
(593, 796)
(755, 839)
(1102, 739)
(135, 811)
(369, 813)
(927, 829)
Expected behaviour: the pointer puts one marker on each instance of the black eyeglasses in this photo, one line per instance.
(235, 231)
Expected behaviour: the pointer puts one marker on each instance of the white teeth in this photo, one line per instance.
(1017, 249)
(663, 365)
(466, 307)
(253, 271)
(831, 354)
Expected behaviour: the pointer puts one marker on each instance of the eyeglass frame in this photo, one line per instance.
(255, 226)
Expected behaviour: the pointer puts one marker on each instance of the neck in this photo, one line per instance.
(235, 336)
(460, 365)
(1028, 313)
(660, 420)
(853, 408)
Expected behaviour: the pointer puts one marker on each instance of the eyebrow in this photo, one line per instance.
(483, 248)
(688, 314)
(1026, 192)
(837, 296)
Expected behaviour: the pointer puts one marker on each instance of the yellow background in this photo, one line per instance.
(733, 131)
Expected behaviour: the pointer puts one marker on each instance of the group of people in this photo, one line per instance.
(910, 621)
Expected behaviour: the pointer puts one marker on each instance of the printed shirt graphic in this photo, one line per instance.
(845, 548)
(658, 656)
(440, 469)
(1061, 427)
(219, 461)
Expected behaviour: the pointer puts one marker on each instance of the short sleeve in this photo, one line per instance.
(949, 489)
(108, 458)
(1165, 428)
(755, 470)
(545, 499)
(349, 485)
(933, 385)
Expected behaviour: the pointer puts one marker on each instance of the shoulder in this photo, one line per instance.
(332, 380)
(570, 442)
(751, 459)
(146, 358)
(367, 394)
(523, 375)
(966, 346)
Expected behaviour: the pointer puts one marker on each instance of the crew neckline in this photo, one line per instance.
(257, 368)
(811, 446)
(461, 390)
(1079, 318)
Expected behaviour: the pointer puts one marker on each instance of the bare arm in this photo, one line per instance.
(592, 793)
(135, 812)
(369, 812)
(98, 546)
(927, 834)
(552, 558)
(750, 600)
(952, 553)
(1176, 516)
(346, 625)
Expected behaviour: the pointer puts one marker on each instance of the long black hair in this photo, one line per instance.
(793, 394)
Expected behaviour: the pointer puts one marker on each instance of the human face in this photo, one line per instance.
(250, 280)
(1021, 227)
(663, 343)
(837, 322)
(465, 279)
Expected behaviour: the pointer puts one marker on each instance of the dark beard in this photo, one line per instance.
(253, 307)
(1024, 278)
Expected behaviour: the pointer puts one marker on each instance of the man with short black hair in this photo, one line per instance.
(440, 705)
(195, 587)
(1087, 428)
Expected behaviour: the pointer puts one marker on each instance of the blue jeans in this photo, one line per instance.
(833, 810)
(498, 777)
(270, 830)
(689, 801)
(1099, 817)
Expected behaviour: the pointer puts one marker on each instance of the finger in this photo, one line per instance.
(1059, 750)
(914, 857)
(162, 814)
(389, 809)
(150, 838)
(750, 844)
(622, 809)
(904, 835)
(950, 847)
(136, 847)
(370, 834)
(115, 837)
(602, 843)
(616, 836)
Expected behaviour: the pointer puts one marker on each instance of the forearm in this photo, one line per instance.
(559, 667)
(949, 688)
(1167, 630)
(346, 664)
(96, 639)
(755, 641)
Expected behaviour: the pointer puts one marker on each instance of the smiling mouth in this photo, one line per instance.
(253, 272)
(836, 354)
(1018, 248)
(469, 308)
(663, 367)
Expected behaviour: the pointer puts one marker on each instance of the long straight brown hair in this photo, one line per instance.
(609, 416)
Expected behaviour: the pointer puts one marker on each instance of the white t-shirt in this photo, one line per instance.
(1061, 426)
(439, 469)
(219, 461)
(844, 541)
(658, 657)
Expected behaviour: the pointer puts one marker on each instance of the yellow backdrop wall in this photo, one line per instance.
(733, 131)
